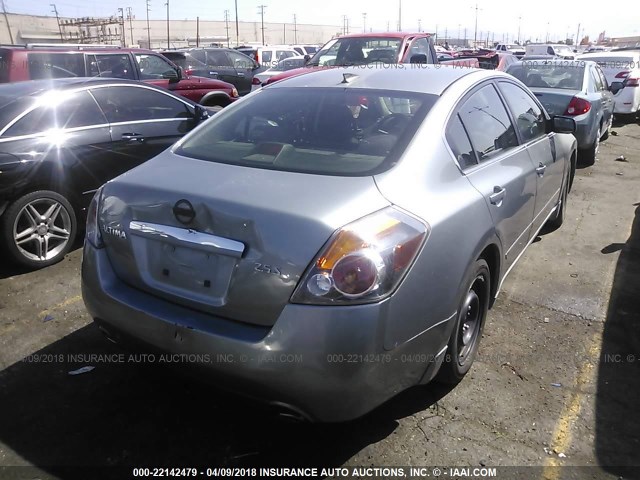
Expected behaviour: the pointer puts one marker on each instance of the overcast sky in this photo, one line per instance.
(538, 17)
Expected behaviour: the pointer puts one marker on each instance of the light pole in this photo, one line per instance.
(519, 21)
(148, 27)
(237, 26)
(364, 22)
(475, 35)
(168, 43)
(399, 15)
(262, 7)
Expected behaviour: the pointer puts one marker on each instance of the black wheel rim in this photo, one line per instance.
(471, 320)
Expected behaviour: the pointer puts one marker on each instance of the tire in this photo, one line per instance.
(557, 220)
(605, 134)
(588, 156)
(467, 332)
(38, 229)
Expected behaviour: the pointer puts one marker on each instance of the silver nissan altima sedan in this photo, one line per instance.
(332, 239)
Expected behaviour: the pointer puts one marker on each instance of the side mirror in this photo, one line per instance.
(418, 58)
(256, 66)
(173, 75)
(615, 87)
(560, 124)
(307, 57)
(201, 114)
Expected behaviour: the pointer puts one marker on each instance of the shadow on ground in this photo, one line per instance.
(138, 414)
(9, 268)
(618, 393)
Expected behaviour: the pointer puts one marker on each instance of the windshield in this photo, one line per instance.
(185, 61)
(358, 51)
(331, 131)
(562, 75)
(560, 50)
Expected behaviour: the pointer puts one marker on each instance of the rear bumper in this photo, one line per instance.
(326, 363)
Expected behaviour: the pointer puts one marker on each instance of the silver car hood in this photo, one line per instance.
(254, 233)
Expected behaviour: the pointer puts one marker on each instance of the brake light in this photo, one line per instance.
(188, 71)
(622, 74)
(578, 106)
(364, 261)
(92, 232)
(256, 81)
(632, 82)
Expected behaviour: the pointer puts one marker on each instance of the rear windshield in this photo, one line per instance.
(540, 74)
(350, 51)
(327, 131)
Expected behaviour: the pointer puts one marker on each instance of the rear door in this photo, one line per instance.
(143, 122)
(530, 122)
(244, 68)
(605, 95)
(496, 165)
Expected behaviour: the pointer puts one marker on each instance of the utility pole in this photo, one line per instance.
(364, 22)
(6, 19)
(123, 40)
(578, 36)
(465, 37)
(475, 35)
(197, 31)
(148, 26)
(262, 7)
(130, 18)
(419, 25)
(237, 27)
(399, 15)
(295, 29)
(436, 35)
(55, 10)
(446, 31)
(344, 24)
(226, 25)
(519, 21)
(168, 43)
(284, 33)
(547, 40)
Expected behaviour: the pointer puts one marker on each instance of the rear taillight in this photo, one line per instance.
(578, 106)
(256, 81)
(622, 74)
(632, 82)
(188, 71)
(93, 235)
(364, 261)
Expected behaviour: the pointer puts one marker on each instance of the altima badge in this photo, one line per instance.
(116, 232)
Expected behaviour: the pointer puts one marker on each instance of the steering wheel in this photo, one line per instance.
(388, 123)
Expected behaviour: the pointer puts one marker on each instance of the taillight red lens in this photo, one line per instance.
(578, 106)
(632, 82)
(357, 274)
(256, 81)
(622, 74)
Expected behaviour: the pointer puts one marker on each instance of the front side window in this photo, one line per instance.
(486, 120)
(55, 65)
(319, 130)
(530, 119)
(59, 110)
(130, 104)
(218, 58)
(154, 67)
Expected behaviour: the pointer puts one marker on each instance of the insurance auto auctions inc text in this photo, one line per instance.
(380, 472)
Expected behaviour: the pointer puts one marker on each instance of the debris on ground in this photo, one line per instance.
(546, 319)
(48, 318)
(562, 455)
(513, 370)
(82, 370)
(556, 384)
(621, 158)
(614, 133)
(574, 275)
(620, 174)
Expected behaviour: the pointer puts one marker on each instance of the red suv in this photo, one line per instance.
(34, 62)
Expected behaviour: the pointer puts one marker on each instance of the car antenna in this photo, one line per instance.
(347, 77)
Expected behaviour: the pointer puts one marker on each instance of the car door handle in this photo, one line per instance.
(133, 137)
(541, 168)
(497, 196)
(240, 74)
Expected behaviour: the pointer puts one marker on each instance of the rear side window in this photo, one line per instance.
(266, 58)
(61, 111)
(5, 65)
(487, 122)
(44, 65)
(459, 143)
(327, 131)
(218, 58)
(112, 66)
(130, 104)
(530, 119)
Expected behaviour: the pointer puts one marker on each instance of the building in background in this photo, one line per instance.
(20, 29)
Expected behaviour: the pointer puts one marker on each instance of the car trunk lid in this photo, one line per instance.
(229, 240)
(554, 100)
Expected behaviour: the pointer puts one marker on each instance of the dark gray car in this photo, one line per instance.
(229, 65)
(332, 239)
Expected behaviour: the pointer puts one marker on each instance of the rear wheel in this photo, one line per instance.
(588, 155)
(472, 314)
(39, 228)
(557, 219)
(607, 130)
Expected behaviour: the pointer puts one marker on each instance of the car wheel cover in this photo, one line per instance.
(472, 313)
(42, 229)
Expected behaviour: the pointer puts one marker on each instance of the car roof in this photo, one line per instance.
(430, 79)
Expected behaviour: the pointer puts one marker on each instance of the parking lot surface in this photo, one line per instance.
(556, 382)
